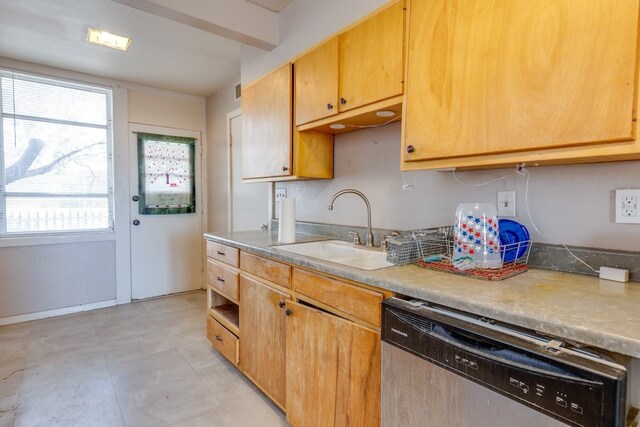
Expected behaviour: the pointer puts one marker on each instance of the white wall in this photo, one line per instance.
(570, 204)
(49, 273)
(217, 165)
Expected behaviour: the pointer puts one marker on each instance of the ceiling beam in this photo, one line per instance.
(237, 20)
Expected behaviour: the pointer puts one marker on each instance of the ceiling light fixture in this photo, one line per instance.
(105, 38)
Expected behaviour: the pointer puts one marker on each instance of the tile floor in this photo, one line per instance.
(142, 364)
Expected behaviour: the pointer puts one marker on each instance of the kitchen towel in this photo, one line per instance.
(287, 227)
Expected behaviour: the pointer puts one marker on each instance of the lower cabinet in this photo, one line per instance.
(333, 370)
(262, 353)
(310, 342)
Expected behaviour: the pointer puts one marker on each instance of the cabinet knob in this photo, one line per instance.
(136, 222)
(343, 101)
(411, 149)
(329, 106)
(284, 169)
(281, 304)
(288, 312)
(135, 198)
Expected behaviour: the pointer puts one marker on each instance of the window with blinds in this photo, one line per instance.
(55, 156)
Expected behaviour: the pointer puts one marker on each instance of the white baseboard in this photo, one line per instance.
(57, 312)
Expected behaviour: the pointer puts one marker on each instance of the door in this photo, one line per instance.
(266, 109)
(262, 354)
(248, 202)
(333, 370)
(316, 83)
(166, 224)
(518, 75)
(371, 59)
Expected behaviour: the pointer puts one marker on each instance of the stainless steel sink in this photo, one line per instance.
(341, 253)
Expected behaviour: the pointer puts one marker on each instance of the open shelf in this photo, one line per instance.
(223, 310)
(228, 315)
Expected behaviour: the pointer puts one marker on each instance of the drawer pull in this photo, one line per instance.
(221, 253)
(220, 279)
(218, 338)
(288, 312)
(281, 304)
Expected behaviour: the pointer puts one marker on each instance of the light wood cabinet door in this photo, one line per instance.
(371, 59)
(333, 370)
(267, 131)
(262, 327)
(316, 83)
(489, 77)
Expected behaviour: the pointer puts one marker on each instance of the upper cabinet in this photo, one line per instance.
(356, 68)
(519, 81)
(272, 149)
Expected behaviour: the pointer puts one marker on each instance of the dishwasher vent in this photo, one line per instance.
(416, 322)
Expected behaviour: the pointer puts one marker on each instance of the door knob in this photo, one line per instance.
(135, 198)
(136, 222)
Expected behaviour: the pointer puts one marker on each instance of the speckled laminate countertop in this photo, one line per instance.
(595, 312)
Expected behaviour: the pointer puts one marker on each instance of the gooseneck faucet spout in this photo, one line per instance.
(366, 201)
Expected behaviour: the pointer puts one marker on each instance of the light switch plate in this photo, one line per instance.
(627, 206)
(507, 203)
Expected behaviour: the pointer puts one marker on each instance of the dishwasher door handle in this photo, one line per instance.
(509, 357)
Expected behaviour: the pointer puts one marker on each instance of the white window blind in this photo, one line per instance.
(55, 156)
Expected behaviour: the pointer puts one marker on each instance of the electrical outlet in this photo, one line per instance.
(627, 206)
(507, 203)
(281, 193)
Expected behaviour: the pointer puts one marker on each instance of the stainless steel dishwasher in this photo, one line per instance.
(442, 367)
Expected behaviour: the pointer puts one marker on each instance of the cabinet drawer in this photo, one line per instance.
(361, 303)
(267, 269)
(222, 340)
(223, 253)
(224, 279)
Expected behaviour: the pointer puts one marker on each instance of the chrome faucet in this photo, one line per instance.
(366, 201)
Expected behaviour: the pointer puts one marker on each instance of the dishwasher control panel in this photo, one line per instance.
(564, 391)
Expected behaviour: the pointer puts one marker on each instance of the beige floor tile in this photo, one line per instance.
(121, 349)
(197, 352)
(216, 417)
(128, 327)
(168, 403)
(72, 365)
(16, 332)
(163, 305)
(10, 381)
(119, 312)
(60, 324)
(89, 400)
(54, 346)
(13, 354)
(148, 371)
(253, 409)
(8, 407)
(225, 380)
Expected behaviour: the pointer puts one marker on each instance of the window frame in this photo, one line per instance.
(59, 236)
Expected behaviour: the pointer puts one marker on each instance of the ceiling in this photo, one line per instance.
(193, 51)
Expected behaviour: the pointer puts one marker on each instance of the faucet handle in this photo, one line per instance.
(356, 237)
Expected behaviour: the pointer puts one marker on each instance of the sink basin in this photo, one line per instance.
(341, 253)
